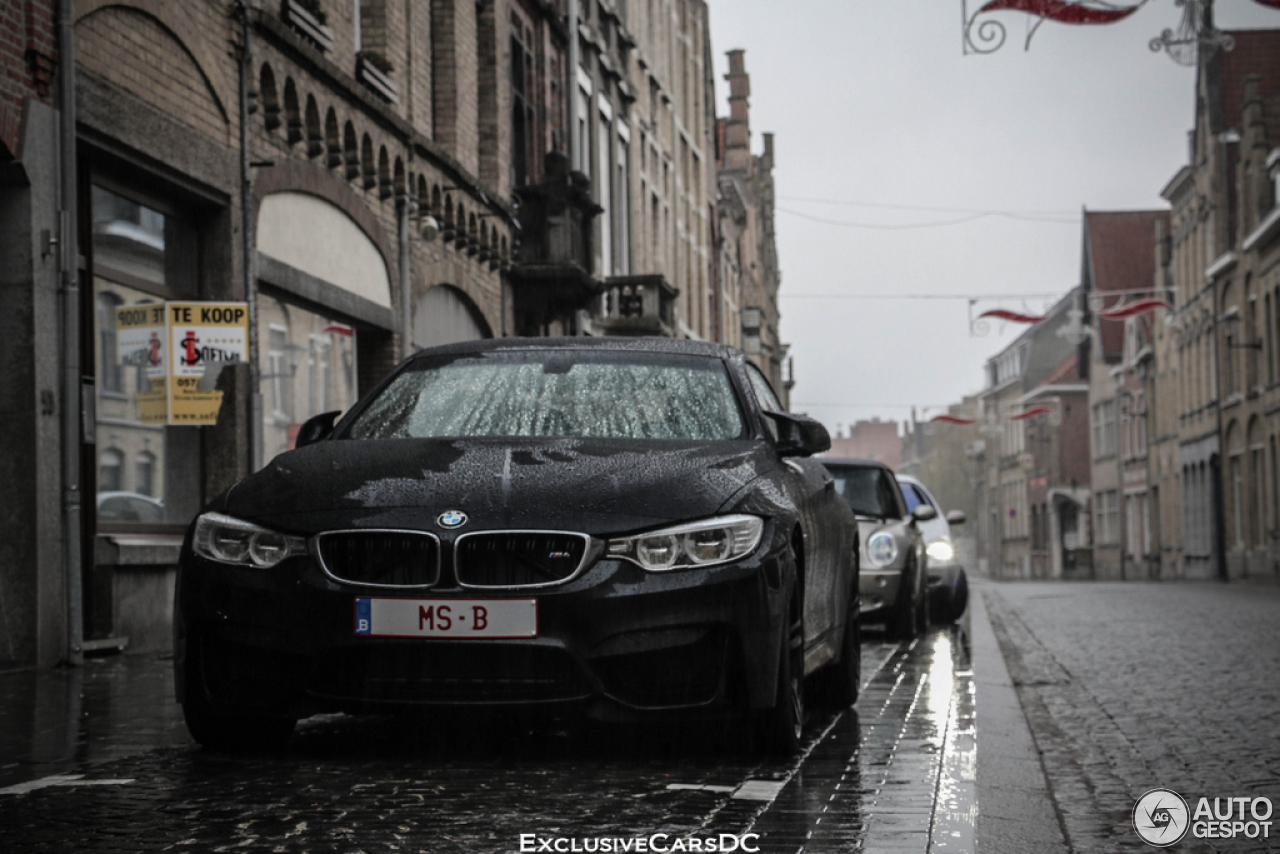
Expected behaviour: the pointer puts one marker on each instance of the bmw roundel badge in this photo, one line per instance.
(451, 519)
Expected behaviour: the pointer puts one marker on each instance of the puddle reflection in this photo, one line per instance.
(900, 772)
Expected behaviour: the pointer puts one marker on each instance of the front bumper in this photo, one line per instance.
(944, 580)
(878, 590)
(617, 640)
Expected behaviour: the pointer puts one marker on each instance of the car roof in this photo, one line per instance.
(679, 346)
(853, 462)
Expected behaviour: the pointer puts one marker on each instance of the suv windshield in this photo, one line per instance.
(866, 490)
(580, 394)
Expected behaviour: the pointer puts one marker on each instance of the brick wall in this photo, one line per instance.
(133, 51)
(28, 58)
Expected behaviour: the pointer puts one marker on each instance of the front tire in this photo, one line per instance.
(842, 679)
(219, 728)
(959, 599)
(228, 732)
(904, 621)
(780, 730)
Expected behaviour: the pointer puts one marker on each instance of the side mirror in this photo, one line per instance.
(800, 435)
(315, 428)
(924, 512)
(956, 517)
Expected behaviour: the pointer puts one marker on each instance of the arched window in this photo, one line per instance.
(332, 142)
(368, 170)
(384, 174)
(315, 139)
(444, 315)
(110, 470)
(270, 99)
(292, 113)
(144, 473)
(351, 152)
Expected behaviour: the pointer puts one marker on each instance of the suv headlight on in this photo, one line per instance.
(941, 551)
(882, 549)
(226, 539)
(707, 543)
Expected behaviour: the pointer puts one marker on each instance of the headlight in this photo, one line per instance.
(882, 549)
(229, 540)
(705, 543)
(941, 551)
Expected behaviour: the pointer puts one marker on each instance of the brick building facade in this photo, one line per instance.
(32, 577)
(1034, 483)
(745, 300)
(1224, 268)
(1118, 267)
(368, 178)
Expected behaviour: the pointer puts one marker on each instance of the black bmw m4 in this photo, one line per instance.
(630, 529)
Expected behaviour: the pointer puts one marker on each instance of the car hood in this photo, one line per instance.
(593, 486)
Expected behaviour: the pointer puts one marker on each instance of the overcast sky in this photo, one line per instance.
(881, 122)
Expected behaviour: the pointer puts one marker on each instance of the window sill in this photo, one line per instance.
(137, 549)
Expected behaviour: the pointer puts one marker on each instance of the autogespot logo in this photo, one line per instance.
(1160, 817)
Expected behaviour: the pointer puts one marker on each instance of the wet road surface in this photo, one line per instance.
(98, 760)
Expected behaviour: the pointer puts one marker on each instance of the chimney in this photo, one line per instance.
(737, 145)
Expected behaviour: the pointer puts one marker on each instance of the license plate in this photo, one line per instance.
(447, 618)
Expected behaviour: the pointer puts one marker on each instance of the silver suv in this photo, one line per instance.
(892, 565)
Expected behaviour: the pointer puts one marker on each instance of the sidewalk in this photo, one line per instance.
(56, 721)
(1015, 807)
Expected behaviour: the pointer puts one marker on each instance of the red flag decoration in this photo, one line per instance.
(1029, 413)
(1071, 13)
(1129, 309)
(340, 329)
(953, 419)
(1274, 4)
(1013, 316)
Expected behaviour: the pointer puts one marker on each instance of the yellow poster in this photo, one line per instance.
(141, 333)
(203, 338)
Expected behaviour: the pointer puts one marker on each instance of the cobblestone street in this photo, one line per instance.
(100, 761)
(1110, 690)
(1130, 687)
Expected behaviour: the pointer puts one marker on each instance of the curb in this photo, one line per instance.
(1015, 808)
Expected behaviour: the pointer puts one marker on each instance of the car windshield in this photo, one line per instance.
(556, 393)
(865, 491)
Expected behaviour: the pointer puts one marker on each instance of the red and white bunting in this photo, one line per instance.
(1029, 413)
(1069, 13)
(953, 419)
(1013, 316)
(1129, 309)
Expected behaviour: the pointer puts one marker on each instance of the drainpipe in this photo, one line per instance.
(406, 319)
(575, 139)
(246, 237)
(73, 389)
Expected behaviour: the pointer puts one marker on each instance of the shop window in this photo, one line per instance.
(142, 251)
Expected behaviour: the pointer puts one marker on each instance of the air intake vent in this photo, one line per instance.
(519, 558)
(381, 558)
